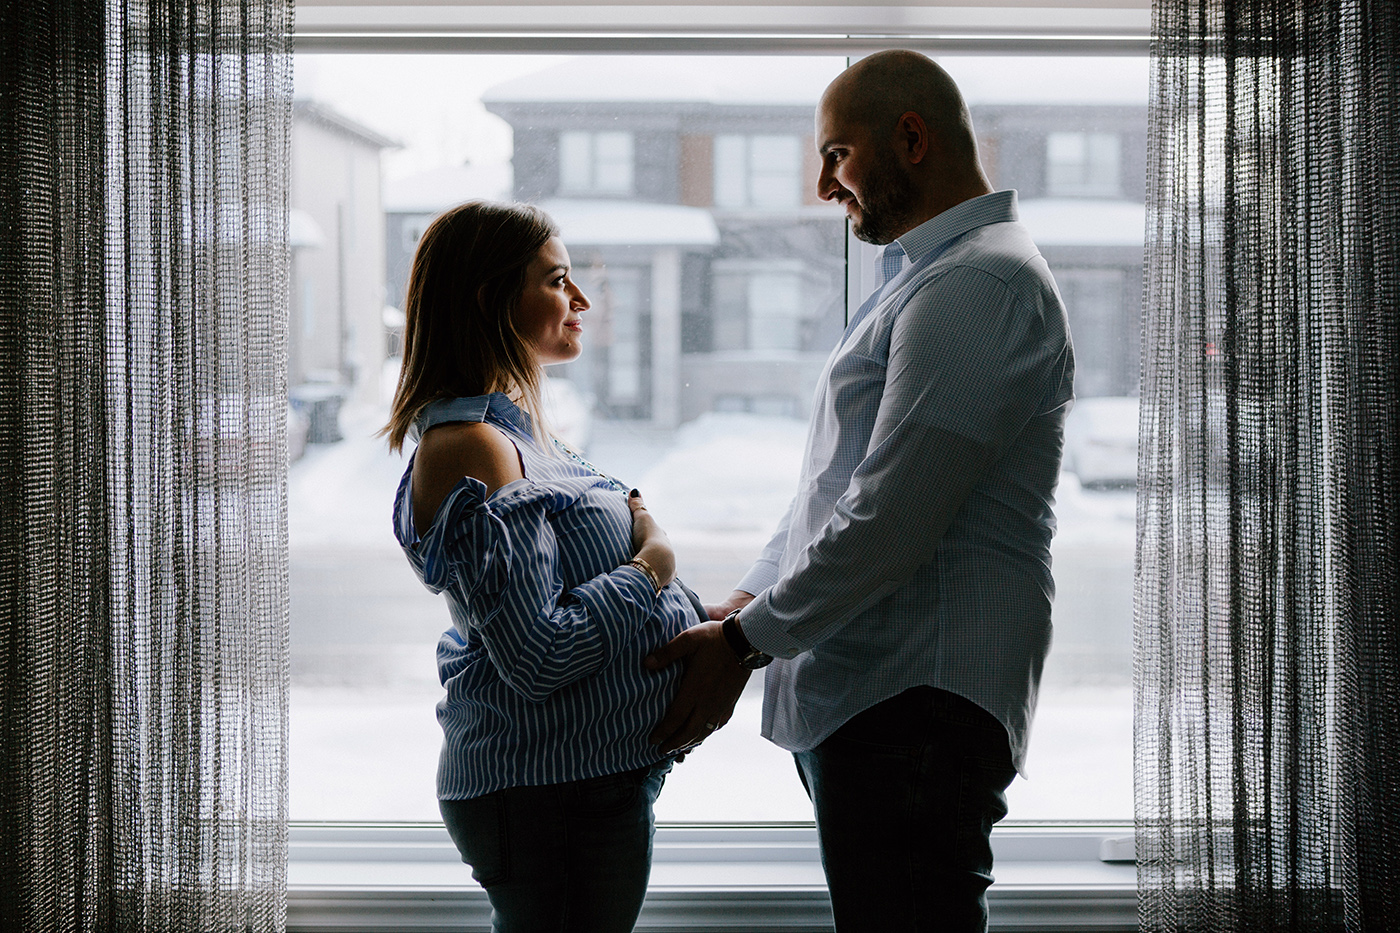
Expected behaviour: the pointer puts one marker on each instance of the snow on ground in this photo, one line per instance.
(342, 494)
(1105, 517)
(371, 754)
(727, 480)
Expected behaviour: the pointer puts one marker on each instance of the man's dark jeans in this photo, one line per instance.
(905, 795)
(561, 858)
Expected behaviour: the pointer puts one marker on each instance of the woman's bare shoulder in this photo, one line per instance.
(449, 452)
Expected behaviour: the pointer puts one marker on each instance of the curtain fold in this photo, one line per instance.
(143, 258)
(1268, 592)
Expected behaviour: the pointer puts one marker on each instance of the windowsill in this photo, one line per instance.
(760, 876)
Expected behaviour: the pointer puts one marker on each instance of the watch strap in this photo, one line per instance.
(744, 652)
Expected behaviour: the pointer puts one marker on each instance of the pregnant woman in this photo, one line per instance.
(559, 584)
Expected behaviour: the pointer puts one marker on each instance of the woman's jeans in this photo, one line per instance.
(569, 857)
(905, 795)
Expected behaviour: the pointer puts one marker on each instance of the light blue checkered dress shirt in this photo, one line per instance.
(970, 338)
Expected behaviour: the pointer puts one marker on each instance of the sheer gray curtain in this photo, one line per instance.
(1268, 602)
(142, 468)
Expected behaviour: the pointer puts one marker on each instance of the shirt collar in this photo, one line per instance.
(469, 408)
(510, 412)
(937, 232)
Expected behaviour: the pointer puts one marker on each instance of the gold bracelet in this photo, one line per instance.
(645, 568)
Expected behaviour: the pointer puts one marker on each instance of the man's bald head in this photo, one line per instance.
(877, 90)
(896, 145)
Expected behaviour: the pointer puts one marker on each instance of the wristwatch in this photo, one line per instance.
(747, 654)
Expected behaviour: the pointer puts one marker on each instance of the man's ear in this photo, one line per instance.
(912, 137)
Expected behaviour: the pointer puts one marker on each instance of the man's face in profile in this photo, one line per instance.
(861, 171)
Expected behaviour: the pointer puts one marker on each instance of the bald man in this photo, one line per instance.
(904, 601)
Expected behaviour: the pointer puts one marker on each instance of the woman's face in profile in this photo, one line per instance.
(548, 314)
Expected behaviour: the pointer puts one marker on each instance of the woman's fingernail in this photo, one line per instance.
(634, 494)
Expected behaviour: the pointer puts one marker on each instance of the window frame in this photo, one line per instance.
(1067, 876)
(858, 27)
(1051, 877)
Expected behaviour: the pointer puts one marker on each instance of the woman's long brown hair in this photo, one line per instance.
(459, 335)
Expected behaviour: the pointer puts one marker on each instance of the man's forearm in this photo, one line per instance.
(888, 526)
(736, 600)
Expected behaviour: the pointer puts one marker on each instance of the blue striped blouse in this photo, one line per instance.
(543, 665)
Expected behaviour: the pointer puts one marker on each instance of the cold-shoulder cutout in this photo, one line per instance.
(448, 452)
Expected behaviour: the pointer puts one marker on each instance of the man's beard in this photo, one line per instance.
(886, 204)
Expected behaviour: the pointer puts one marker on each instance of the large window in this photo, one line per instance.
(712, 315)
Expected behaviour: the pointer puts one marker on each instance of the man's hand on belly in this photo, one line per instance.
(711, 686)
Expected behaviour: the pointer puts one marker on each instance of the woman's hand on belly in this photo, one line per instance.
(649, 541)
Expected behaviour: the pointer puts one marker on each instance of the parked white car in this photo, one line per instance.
(1101, 441)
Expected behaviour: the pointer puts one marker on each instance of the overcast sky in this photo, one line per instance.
(429, 103)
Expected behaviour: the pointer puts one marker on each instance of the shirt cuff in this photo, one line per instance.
(763, 574)
(631, 571)
(765, 631)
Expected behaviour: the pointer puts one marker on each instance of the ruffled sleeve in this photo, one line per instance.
(499, 556)
(468, 534)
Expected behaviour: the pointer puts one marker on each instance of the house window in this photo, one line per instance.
(618, 355)
(758, 306)
(595, 162)
(626, 347)
(1097, 306)
(729, 312)
(758, 172)
(1082, 165)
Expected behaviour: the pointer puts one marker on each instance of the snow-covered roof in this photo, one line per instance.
(631, 223)
(325, 115)
(440, 188)
(800, 81)
(1050, 79)
(659, 78)
(1083, 222)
